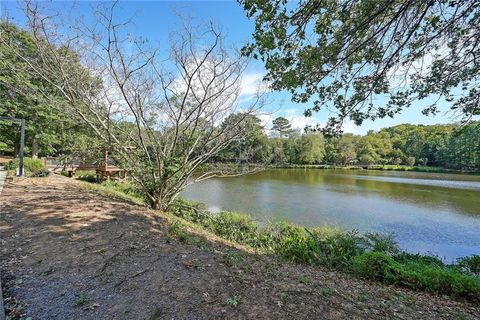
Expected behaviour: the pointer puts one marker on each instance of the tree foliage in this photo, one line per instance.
(50, 127)
(282, 126)
(161, 119)
(369, 59)
(450, 146)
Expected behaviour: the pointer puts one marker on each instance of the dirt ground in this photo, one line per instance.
(71, 254)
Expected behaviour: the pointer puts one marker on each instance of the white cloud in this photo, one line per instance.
(300, 121)
(350, 127)
(253, 83)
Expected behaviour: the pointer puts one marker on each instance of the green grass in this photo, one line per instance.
(118, 190)
(81, 299)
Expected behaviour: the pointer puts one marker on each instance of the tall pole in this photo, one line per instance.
(22, 146)
(21, 170)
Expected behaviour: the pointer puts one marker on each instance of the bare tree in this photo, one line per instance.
(162, 117)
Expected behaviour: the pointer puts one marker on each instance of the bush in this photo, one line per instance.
(192, 211)
(470, 264)
(406, 258)
(337, 250)
(418, 273)
(374, 265)
(296, 245)
(378, 242)
(29, 164)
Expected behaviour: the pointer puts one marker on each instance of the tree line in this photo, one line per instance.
(445, 145)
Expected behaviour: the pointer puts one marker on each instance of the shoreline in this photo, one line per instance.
(426, 169)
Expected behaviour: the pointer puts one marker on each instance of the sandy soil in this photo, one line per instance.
(71, 254)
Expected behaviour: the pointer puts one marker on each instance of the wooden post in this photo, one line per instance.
(21, 170)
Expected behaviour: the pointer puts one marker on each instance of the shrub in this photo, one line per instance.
(296, 245)
(470, 264)
(337, 250)
(29, 164)
(192, 211)
(374, 265)
(416, 272)
(378, 242)
(406, 258)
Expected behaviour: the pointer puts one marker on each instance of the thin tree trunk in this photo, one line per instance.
(34, 148)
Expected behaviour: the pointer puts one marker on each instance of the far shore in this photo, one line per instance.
(378, 168)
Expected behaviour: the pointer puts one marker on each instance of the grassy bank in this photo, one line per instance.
(379, 167)
(370, 256)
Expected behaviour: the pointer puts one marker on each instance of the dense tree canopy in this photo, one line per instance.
(450, 146)
(344, 54)
(51, 129)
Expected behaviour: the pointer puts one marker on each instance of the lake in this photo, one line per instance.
(427, 212)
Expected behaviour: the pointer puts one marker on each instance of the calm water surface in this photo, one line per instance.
(427, 212)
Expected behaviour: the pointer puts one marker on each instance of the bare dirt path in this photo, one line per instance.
(71, 254)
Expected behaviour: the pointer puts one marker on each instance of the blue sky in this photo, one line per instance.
(155, 20)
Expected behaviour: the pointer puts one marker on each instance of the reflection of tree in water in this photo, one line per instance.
(460, 201)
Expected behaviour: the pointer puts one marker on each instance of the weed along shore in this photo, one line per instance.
(78, 250)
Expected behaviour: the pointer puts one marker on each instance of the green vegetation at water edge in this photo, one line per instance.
(372, 255)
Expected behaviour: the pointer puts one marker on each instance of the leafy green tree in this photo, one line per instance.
(346, 153)
(26, 94)
(374, 148)
(282, 126)
(344, 53)
(253, 146)
(462, 148)
(278, 152)
(311, 149)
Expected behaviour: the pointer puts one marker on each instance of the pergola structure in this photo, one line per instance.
(22, 142)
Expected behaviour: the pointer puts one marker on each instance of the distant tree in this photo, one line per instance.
(311, 149)
(278, 153)
(253, 146)
(344, 53)
(410, 161)
(346, 150)
(462, 148)
(282, 126)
